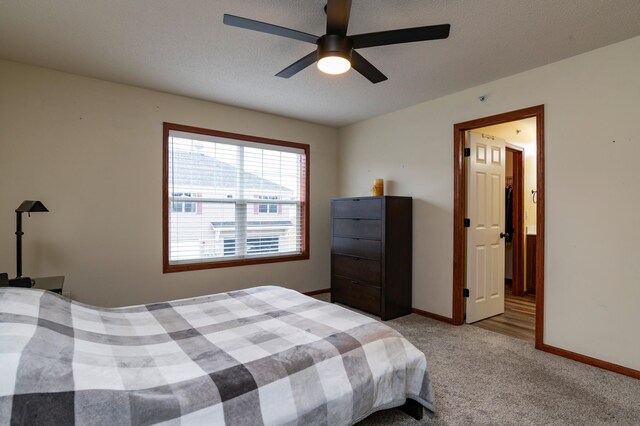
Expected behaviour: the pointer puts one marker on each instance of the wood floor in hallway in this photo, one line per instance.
(518, 320)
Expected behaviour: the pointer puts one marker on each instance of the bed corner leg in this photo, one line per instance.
(413, 408)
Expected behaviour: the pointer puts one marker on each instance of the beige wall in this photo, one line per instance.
(92, 152)
(592, 273)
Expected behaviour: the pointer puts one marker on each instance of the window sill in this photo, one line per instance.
(168, 268)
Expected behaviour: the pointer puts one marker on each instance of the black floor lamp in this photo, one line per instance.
(25, 207)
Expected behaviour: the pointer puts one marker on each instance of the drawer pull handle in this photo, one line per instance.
(355, 218)
(354, 282)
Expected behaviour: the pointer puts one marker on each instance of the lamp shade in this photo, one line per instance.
(31, 206)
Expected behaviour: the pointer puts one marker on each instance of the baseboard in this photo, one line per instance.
(314, 292)
(543, 347)
(616, 368)
(591, 361)
(432, 315)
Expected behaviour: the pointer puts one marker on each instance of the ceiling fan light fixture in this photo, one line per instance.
(334, 54)
(334, 65)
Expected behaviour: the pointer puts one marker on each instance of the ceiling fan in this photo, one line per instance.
(335, 52)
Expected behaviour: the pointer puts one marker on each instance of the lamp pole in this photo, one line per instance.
(19, 235)
(27, 206)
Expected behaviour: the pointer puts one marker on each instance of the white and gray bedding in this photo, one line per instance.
(265, 355)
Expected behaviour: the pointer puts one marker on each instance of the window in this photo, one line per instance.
(254, 245)
(180, 205)
(267, 208)
(229, 247)
(252, 194)
(262, 245)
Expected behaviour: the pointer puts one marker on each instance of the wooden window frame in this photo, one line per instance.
(304, 201)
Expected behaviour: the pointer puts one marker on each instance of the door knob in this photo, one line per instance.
(503, 235)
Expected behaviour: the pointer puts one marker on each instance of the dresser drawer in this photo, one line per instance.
(354, 294)
(369, 249)
(357, 207)
(362, 228)
(357, 268)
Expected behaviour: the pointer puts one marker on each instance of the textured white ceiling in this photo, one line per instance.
(182, 47)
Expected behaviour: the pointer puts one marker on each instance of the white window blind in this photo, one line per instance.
(232, 199)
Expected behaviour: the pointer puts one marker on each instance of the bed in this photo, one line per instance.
(264, 355)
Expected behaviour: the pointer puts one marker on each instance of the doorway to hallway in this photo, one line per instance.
(495, 270)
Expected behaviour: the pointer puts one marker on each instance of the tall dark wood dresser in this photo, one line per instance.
(371, 254)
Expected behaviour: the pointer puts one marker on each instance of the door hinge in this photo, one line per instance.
(465, 292)
(467, 222)
(467, 152)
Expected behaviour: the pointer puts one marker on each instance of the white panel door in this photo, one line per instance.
(485, 241)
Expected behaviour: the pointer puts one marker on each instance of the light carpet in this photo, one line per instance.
(485, 378)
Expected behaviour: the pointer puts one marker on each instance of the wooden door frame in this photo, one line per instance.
(459, 204)
(517, 241)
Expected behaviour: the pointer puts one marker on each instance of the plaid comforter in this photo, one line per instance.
(265, 355)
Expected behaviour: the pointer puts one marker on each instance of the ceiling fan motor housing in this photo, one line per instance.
(334, 45)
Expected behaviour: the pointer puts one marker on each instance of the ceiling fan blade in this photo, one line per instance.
(407, 35)
(299, 65)
(338, 16)
(365, 68)
(263, 27)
